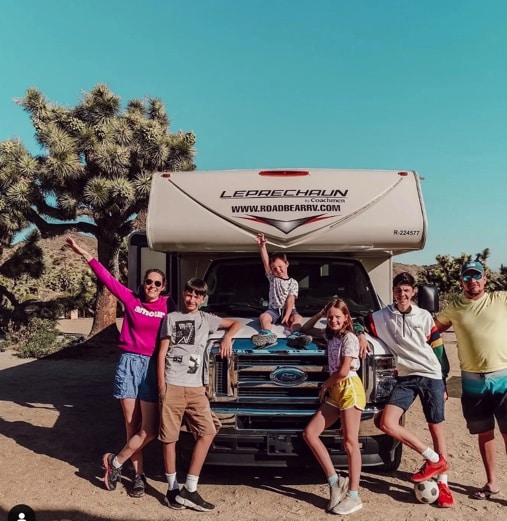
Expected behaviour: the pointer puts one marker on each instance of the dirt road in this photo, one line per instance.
(57, 417)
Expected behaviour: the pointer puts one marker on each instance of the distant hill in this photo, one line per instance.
(413, 269)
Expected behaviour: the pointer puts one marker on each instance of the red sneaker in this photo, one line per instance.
(430, 470)
(445, 499)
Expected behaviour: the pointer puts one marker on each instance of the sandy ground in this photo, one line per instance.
(57, 417)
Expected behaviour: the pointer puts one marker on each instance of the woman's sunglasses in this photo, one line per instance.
(149, 282)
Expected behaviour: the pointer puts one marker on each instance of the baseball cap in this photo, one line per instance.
(472, 266)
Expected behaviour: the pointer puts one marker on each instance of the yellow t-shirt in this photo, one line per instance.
(481, 331)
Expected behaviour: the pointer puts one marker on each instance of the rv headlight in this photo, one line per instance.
(384, 370)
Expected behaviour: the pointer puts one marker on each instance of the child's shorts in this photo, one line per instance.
(277, 314)
(191, 403)
(136, 377)
(347, 393)
(430, 391)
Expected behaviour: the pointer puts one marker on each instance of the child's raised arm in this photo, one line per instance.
(261, 241)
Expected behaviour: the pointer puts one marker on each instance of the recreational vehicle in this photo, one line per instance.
(340, 230)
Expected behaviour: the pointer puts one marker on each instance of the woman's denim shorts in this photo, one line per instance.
(136, 377)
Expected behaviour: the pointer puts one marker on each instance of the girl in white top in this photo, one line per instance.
(343, 398)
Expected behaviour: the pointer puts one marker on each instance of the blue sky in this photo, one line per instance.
(409, 85)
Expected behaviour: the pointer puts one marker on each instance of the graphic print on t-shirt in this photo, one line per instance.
(185, 332)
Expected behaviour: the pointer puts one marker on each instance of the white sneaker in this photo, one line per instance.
(337, 492)
(348, 506)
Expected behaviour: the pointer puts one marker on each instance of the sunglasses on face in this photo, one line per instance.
(475, 276)
(149, 282)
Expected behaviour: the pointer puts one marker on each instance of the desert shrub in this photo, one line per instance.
(37, 338)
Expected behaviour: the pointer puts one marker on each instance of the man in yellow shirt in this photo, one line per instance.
(479, 320)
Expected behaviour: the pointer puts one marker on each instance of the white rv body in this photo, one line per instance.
(340, 230)
(368, 214)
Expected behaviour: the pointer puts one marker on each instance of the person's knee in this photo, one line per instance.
(310, 436)
(350, 446)
(148, 435)
(386, 426)
(266, 318)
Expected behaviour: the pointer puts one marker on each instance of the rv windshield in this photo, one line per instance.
(240, 287)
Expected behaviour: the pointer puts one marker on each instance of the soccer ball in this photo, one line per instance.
(426, 491)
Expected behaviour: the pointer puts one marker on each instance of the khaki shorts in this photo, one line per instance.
(347, 393)
(190, 403)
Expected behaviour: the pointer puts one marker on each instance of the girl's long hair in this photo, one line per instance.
(348, 327)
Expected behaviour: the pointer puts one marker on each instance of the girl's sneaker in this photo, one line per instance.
(348, 506)
(337, 492)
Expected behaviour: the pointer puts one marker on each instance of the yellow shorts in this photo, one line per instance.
(347, 393)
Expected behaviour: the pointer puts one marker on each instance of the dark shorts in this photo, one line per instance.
(484, 398)
(430, 392)
(136, 377)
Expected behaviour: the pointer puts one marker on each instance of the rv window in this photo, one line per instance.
(240, 287)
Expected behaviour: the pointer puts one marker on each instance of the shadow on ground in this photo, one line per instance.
(76, 383)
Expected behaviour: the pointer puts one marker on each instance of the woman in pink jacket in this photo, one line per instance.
(135, 383)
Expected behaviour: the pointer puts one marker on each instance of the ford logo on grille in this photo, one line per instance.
(288, 376)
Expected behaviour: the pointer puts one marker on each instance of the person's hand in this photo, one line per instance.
(225, 347)
(322, 392)
(72, 244)
(260, 239)
(364, 346)
(285, 319)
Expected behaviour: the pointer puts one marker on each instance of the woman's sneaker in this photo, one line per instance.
(298, 339)
(193, 500)
(264, 338)
(112, 475)
(138, 487)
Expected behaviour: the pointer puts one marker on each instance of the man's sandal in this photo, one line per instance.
(484, 493)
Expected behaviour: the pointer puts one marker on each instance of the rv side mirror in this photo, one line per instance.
(427, 297)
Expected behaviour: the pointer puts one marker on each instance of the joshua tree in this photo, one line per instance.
(93, 174)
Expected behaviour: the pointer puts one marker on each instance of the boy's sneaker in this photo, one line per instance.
(298, 339)
(348, 506)
(445, 499)
(430, 470)
(138, 487)
(264, 338)
(193, 500)
(337, 492)
(170, 499)
(112, 474)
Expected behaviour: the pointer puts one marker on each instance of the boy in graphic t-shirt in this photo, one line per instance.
(182, 358)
